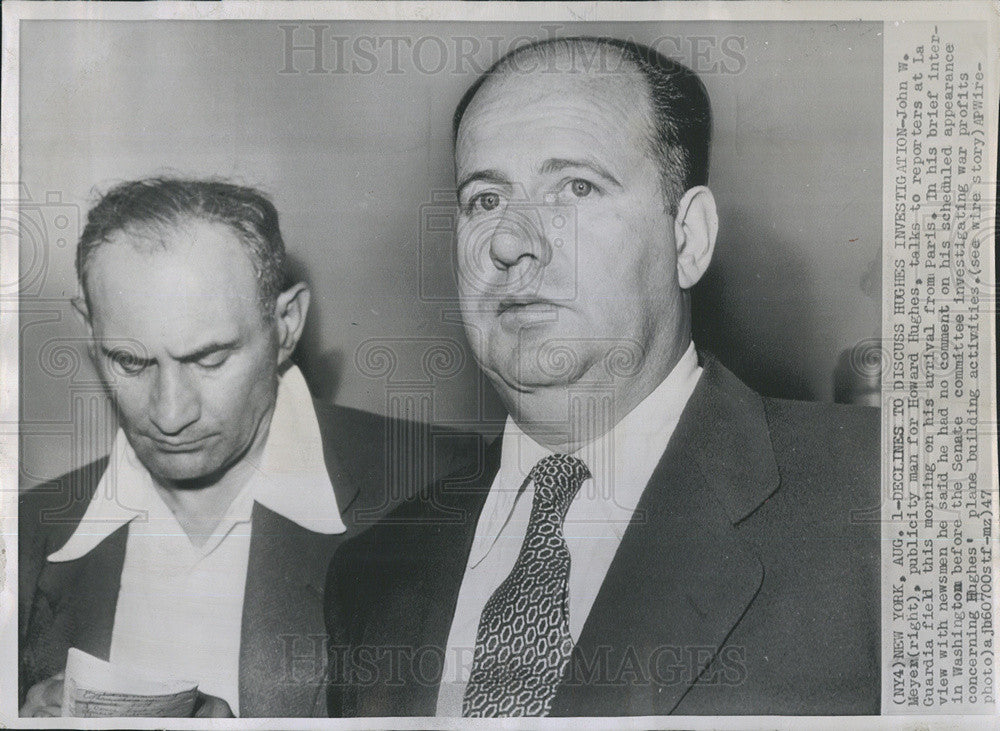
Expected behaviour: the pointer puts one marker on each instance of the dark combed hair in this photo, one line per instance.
(680, 110)
(150, 208)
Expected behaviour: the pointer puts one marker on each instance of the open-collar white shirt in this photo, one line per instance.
(621, 462)
(180, 606)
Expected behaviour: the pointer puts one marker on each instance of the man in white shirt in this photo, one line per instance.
(649, 536)
(198, 548)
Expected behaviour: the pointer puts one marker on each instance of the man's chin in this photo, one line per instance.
(180, 469)
(551, 364)
(532, 380)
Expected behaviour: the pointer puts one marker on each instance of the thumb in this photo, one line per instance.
(210, 706)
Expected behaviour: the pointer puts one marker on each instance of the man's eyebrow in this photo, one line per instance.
(203, 351)
(116, 352)
(207, 350)
(555, 164)
(483, 176)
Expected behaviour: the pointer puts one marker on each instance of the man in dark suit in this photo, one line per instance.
(649, 536)
(198, 548)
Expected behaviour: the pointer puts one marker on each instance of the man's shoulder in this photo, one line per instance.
(840, 425)
(57, 506)
(440, 510)
(826, 454)
(828, 459)
(825, 438)
(47, 516)
(373, 446)
(345, 417)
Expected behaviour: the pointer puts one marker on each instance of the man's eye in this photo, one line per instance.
(127, 363)
(581, 188)
(213, 361)
(485, 201)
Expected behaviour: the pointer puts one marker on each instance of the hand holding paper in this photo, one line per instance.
(44, 699)
(95, 688)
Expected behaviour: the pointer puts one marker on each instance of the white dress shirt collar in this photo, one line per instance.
(291, 480)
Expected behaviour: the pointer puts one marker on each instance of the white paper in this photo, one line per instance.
(95, 688)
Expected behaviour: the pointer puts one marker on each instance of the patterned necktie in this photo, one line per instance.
(523, 643)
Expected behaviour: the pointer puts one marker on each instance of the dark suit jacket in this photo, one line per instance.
(746, 583)
(282, 648)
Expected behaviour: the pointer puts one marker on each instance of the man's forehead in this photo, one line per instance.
(201, 260)
(622, 93)
(534, 116)
(160, 236)
(618, 86)
(177, 321)
(207, 246)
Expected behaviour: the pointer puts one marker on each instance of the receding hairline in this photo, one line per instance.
(505, 68)
(151, 238)
(149, 209)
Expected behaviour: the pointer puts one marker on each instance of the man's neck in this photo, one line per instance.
(200, 511)
(564, 418)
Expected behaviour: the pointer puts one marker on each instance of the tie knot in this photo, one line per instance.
(557, 479)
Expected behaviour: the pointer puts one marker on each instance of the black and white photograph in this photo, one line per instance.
(410, 364)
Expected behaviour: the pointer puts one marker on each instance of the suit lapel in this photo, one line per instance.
(682, 578)
(98, 584)
(74, 606)
(423, 561)
(72, 603)
(282, 655)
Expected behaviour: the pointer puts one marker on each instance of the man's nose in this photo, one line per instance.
(519, 239)
(174, 403)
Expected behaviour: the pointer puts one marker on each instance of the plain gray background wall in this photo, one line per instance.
(357, 158)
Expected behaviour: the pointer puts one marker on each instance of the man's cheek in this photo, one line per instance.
(109, 377)
(130, 403)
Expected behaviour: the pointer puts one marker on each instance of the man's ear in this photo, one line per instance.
(695, 228)
(83, 312)
(290, 311)
(80, 305)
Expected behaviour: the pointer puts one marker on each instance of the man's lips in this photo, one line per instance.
(518, 305)
(516, 313)
(178, 445)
